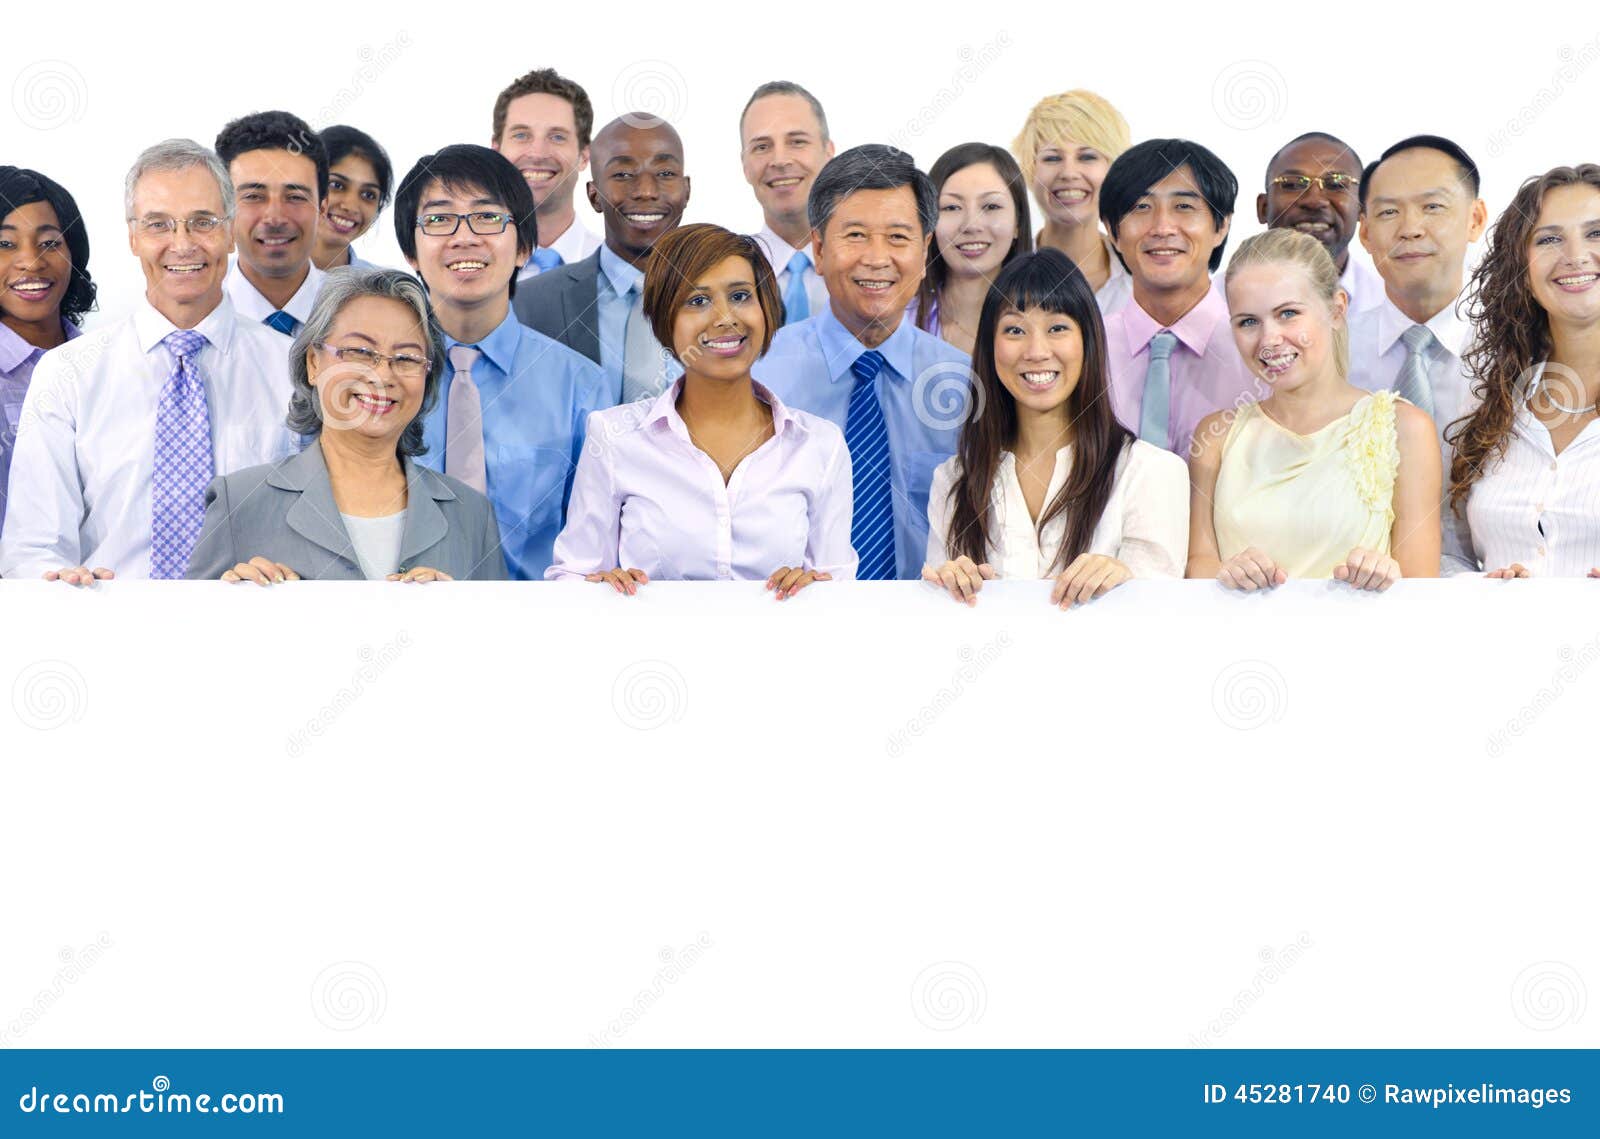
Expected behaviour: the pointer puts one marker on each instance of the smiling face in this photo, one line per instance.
(1419, 220)
(466, 270)
(183, 270)
(1564, 255)
(353, 197)
(718, 330)
(1284, 331)
(872, 255)
(275, 225)
(541, 140)
(1328, 215)
(977, 221)
(1168, 237)
(638, 185)
(35, 265)
(782, 150)
(374, 400)
(1066, 183)
(1038, 357)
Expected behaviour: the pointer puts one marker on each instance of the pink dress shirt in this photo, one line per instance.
(645, 497)
(1207, 372)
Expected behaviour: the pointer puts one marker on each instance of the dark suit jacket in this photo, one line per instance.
(561, 304)
(285, 511)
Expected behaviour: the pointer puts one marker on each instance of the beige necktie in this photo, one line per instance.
(463, 449)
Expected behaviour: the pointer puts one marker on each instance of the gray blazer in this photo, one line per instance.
(285, 511)
(562, 303)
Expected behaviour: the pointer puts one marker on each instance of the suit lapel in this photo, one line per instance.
(425, 522)
(581, 306)
(313, 516)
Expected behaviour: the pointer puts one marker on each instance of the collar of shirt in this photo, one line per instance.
(621, 275)
(251, 305)
(1193, 329)
(840, 348)
(500, 346)
(779, 251)
(15, 351)
(664, 412)
(573, 243)
(1446, 327)
(152, 328)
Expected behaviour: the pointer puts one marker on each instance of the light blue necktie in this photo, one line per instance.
(183, 466)
(867, 438)
(1155, 411)
(796, 305)
(1413, 383)
(547, 259)
(283, 322)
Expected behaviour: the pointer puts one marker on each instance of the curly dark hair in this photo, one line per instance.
(274, 130)
(1511, 332)
(21, 187)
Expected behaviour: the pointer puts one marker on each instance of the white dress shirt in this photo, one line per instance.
(1376, 357)
(251, 305)
(1538, 508)
(84, 465)
(1361, 281)
(1145, 524)
(779, 252)
(574, 244)
(645, 497)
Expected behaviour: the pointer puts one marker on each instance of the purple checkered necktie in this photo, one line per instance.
(183, 466)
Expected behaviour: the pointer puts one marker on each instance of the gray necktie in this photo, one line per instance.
(1156, 410)
(641, 355)
(1413, 383)
(463, 448)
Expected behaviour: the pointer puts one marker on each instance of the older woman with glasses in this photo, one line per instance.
(353, 505)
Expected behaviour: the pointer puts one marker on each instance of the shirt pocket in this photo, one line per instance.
(529, 487)
(919, 468)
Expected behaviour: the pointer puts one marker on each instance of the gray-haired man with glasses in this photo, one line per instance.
(124, 427)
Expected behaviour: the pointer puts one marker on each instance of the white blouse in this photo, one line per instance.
(1536, 507)
(1145, 524)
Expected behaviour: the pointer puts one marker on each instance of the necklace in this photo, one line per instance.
(1549, 398)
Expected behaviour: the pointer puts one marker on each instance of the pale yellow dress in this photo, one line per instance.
(1307, 500)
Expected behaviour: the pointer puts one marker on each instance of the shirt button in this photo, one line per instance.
(1541, 551)
(1552, 464)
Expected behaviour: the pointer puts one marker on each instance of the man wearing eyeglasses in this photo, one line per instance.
(513, 403)
(124, 426)
(1313, 187)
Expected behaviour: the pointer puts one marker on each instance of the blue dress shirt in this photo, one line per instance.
(536, 395)
(612, 283)
(925, 392)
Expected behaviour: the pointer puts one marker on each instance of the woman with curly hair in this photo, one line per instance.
(1525, 476)
(1320, 479)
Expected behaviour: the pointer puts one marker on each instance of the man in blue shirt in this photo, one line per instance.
(512, 402)
(900, 395)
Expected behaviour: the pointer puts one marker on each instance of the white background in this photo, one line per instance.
(1242, 79)
(534, 803)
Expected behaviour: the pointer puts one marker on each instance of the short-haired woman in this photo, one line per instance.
(353, 505)
(715, 479)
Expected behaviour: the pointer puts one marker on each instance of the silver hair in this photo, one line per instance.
(339, 288)
(179, 154)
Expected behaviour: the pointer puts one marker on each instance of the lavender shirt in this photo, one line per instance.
(645, 497)
(17, 359)
(1207, 372)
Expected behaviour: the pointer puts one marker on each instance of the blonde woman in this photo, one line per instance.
(1066, 146)
(1320, 479)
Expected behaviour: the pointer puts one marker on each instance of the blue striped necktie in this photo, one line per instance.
(867, 437)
